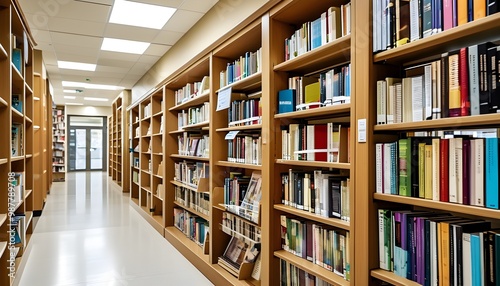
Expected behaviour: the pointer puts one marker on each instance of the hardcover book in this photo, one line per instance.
(286, 100)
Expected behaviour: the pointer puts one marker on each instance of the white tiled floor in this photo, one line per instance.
(89, 235)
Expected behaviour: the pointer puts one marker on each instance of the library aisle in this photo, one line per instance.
(89, 235)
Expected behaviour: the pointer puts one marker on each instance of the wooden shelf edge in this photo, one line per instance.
(324, 220)
(240, 128)
(202, 215)
(158, 227)
(442, 206)
(3, 161)
(194, 158)
(239, 165)
(312, 268)
(198, 100)
(241, 84)
(392, 278)
(28, 217)
(28, 193)
(341, 166)
(3, 219)
(3, 102)
(3, 247)
(332, 111)
(445, 123)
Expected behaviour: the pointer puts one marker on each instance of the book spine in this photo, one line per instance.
(492, 174)
(464, 83)
(444, 173)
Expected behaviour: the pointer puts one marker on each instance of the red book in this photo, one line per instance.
(443, 170)
(320, 142)
(463, 73)
(466, 159)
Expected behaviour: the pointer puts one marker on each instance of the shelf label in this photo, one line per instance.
(231, 135)
(224, 99)
(362, 130)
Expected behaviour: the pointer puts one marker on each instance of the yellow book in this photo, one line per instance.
(428, 172)
(312, 93)
(462, 12)
(479, 9)
(421, 170)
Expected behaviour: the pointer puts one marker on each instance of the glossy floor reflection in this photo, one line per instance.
(89, 235)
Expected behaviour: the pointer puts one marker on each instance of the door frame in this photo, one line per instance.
(104, 128)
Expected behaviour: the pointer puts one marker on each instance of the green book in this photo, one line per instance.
(404, 167)
(421, 170)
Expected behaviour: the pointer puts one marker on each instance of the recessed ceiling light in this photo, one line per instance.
(91, 85)
(95, 99)
(76, 66)
(73, 103)
(69, 97)
(140, 14)
(124, 46)
(69, 91)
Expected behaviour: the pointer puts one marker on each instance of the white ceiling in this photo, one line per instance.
(73, 30)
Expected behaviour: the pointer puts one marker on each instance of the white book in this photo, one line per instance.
(383, 264)
(310, 142)
(379, 155)
(466, 259)
(381, 102)
(318, 182)
(428, 92)
(398, 112)
(417, 98)
(324, 29)
(478, 189)
(324, 196)
(384, 23)
(452, 171)
(414, 20)
(307, 192)
(473, 80)
(434, 255)
(435, 166)
(387, 174)
(391, 104)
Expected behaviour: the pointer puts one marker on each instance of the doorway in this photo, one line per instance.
(87, 143)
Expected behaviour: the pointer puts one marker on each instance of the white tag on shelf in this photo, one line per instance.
(362, 130)
(231, 135)
(224, 99)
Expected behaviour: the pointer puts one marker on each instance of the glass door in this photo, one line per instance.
(86, 143)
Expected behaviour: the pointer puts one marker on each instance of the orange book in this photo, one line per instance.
(479, 9)
(462, 12)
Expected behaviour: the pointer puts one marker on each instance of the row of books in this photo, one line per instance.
(460, 170)
(319, 142)
(242, 195)
(397, 22)
(332, 24)
(16, 188)
(147, 110)
(232, 224)
(437, 248)
(193, 144)
(190, 173)
(245, 149)
(244, 112)
(17, 140)
(318, 192)
(461, 83)
(193, 115)
(192, 90)
(245, 66)
(135, 177)
(317, 243)
(196, 201)
(160, 191)
(194, 227)
(291, 275)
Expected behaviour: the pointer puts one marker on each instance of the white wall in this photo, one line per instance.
(88, 110)
(220, 20)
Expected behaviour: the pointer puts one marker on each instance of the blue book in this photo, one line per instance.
(492, 174)
(17, 103)
(475, 249)
(470, 11)
(17, 59)
(316, 33)
(286, 100)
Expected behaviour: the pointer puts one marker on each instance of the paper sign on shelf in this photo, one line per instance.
(231, 135)
(224, 99)
(362, 130)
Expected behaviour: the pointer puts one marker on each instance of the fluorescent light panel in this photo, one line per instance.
(69, 91)
(91, 85)
(140, 14)
(73, 103)
(69, 97)
(76, 66)
(95, 99)
(124, 46)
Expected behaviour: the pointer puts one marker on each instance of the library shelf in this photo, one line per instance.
(190, 249)
(3, 247)
(192, 158)
(146, 118)
(16, 158)
(196, 125)
(326, 111)
(158, 176)
(442, 206)
(156, 134)
(28, 120)
(392, 278)
(195, 101)
(17, 116)
(158, 219)
(16, 207)
(342, 224)
(336, 51)
(309, 267)
(135, 201)
(3, 53)
(28, 217)
(3, 102)
(249, 83)
(240, 128)
(483, 120)
(200, 214)
(28, 193)
(3, 161)
(233, 280)
(239, 165)
(3, 219)
(317, 164)
(17, 77)
(147, 172)
(159, 113)
(177, 131)
(29, 156)
(180, 184)
(147, 189)
(449, 40)
(144, 212)
(156, 196)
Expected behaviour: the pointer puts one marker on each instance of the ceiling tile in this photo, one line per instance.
(77, 27)
(114, 69)
(41, 35)
(91, 42)
(76, 54)
(167, 3)
(130, 33)
(38, 22)
(167, 37)
(182, 21)
(117, 60)
(140, 68)
(198, 6)
(157, 50)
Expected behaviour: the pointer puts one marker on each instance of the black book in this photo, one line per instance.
(491, 7)
(334, 197)
(444, 86)
(484, 78)
(493, 79)
(414, 141)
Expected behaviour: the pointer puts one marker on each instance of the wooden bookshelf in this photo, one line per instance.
(317, 164)
(327, 111)
(119, 141)
(482, 121)
(392, 278)
(59, 143)
(314, 217)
